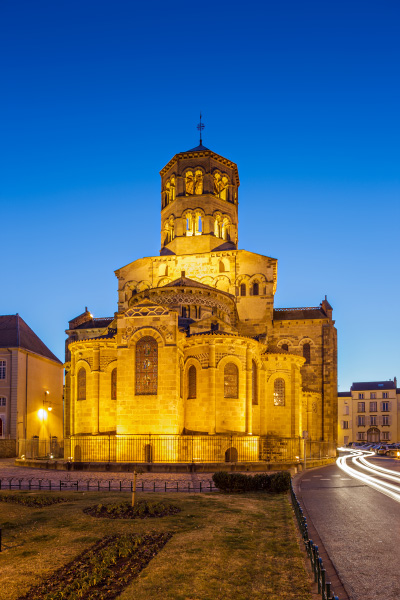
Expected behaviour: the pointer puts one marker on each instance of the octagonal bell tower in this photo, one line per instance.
(199, 203)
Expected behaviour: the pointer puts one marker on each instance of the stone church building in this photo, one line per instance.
(196, 346)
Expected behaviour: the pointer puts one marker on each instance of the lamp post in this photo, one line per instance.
(49, 409)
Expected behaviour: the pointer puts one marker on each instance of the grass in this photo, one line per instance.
(224, 546)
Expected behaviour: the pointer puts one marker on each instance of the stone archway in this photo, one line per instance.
(373, 435)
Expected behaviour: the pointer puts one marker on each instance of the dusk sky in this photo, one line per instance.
(96, 97)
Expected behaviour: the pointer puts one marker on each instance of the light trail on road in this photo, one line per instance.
(358, 457)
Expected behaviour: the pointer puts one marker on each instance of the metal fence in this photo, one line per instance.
(324, 587)
(176, 449)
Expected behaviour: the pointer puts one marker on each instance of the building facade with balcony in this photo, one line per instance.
(369, 412)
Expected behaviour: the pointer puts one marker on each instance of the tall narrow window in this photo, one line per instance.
(2, 369)
(242, 289)
(231, 381)
(221, 266)
(254, 387)
(146, 366)
(82, 384)
(255, 289)
(114, 384)
(192, 383)
(307, 353)
(279, 392)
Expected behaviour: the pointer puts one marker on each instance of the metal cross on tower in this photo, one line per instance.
(200, 127)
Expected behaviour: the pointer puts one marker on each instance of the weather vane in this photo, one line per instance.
(200, 127)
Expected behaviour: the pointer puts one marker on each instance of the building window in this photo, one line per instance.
(385, 395)
(385, 435)
(254, 387)
(82, 384)
(192, 383)
(279, 392)
(385, 420)
(361, 396)
(231, 381)
(307, 353)
(385, 406)
(361, 407)
(285, 347)
(2, 369)
(346, 410)
(242, 289)
(361, 436)
(255, 289)
(345, 425)
(114, 384)
(361, 421)
(372, 420)
(3, 401)
(373, 395)
(146, 366)
(373, 406)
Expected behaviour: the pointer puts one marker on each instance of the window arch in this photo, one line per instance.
(255, 289)
(189, 183)
(307, 353)
(279, 392)
(114, 384)
(285, 347)
(192, 382)
(254, 386)
(231, 381)
(146, 366)
(81, 388)
(198, 182)
(242, 289)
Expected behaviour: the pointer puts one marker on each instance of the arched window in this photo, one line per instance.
(172, 188)
(198, 182)
(146, 366)
(255, 289)
(221, 266)
(242, 289)
(198, 224)
(231, 381)
(285, 347)
(307, 353)
(114, 384)
(279, 392)
(192, 383)
(254, 387)
(189, 183)
(81, 384)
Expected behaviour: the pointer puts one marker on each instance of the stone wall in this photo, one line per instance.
(8, 448)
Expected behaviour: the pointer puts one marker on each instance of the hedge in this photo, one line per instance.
(237, 482)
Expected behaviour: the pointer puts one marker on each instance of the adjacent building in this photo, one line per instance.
(369, 412)
(31, 384)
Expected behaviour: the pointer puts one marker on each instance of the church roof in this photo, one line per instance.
(205, 152)
(95, 323)
(312, 312)
(198, 149)
(15, 333)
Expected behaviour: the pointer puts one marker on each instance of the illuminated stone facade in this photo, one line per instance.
(197, 345)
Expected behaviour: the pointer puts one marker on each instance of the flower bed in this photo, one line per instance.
(124, 510)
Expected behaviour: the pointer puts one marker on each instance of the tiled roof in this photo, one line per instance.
(373, 385)
(285, 314)
(344, 394)
(96, 323)
(15, 333)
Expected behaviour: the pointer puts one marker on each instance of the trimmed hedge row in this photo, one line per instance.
(276, 483)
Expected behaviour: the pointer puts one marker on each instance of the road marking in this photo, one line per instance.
(345, 479)
(324, 479)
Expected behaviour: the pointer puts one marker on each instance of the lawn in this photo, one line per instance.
(235, 546)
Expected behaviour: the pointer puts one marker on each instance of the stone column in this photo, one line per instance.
(211, 384)
(249, 398)
(96, 389)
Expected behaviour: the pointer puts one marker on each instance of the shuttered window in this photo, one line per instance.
(192, 383)
(81, 384)
(279, 392)
(231, 381)
(146, 366)
(114, 384)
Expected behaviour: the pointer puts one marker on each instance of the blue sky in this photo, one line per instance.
(97, 96)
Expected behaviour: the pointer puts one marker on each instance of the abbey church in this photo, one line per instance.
(196, 346)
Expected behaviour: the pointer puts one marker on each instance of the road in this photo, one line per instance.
(358, 525)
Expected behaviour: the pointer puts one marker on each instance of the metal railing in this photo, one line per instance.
(324, 587)
(176, 449)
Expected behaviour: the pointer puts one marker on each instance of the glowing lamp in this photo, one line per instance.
(42, 414)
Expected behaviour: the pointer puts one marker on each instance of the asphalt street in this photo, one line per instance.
(359, 527)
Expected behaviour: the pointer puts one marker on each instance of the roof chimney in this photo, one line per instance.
(183, 274)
